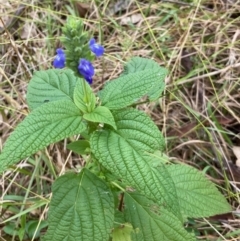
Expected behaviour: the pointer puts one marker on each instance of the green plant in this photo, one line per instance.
(27, 230)
(127, 190)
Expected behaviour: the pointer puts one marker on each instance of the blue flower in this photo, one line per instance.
(86, 69)
(59, 61)
(97, 49)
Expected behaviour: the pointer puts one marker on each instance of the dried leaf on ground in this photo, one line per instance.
(29, 30)
(221, 217)
(186, 129)
(119, 6)
(82, 8)
(4, 12)
(133, 19)
(236, 151)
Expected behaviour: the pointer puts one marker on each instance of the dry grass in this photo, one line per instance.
(199, 42)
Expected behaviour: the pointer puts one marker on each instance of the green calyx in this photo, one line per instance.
(76, 43)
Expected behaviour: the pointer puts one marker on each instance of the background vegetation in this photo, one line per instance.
(198, 41)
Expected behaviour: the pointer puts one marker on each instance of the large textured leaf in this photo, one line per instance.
(130, 161)
(138, 64)
(101, 115)
(128, 89)
(50, 85)
(156, 91)
(140, 131)
(84, 97)
(81, 209)
(198, 197)
(153, 222)
(47, 124)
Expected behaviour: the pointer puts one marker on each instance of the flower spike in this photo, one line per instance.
(97, 49)
(60, 59)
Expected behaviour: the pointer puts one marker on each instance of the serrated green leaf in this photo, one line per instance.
(101, 115)
(50, 85)
(152, 221)
(46, 124)
(159, 158)
(156, 91)
(128, 89)
(118, 155)
(136, 235)
(139, 64)
(80, 147)
(140, 131)
(81, 209)
(198, 197)
(84, 97)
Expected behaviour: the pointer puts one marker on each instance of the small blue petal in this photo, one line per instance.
(86, 69)
(60, 51)
(97, 49)
(60, 59)
(92, 41)
(89, 80)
